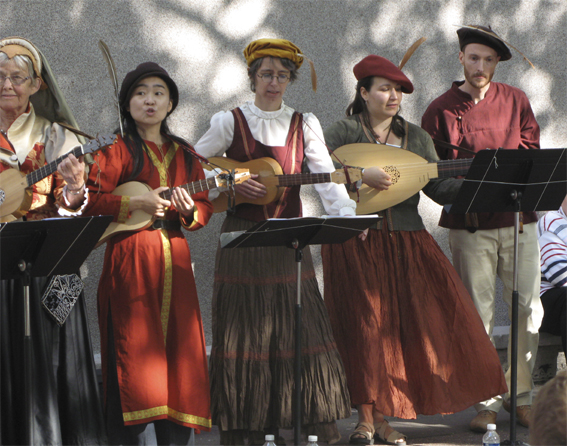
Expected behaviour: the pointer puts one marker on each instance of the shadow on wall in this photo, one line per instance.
(200, 43)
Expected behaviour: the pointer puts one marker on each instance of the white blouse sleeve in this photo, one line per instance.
(219, 136)
(334, 196)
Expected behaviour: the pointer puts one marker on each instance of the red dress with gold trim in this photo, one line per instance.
(147, 286)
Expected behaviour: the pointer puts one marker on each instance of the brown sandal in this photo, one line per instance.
(363, 434)
(380, 429)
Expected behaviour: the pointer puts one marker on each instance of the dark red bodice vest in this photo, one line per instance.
(290, 157)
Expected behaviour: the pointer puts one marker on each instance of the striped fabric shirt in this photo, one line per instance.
(552, 236)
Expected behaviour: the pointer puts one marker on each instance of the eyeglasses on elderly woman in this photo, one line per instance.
(15, 80)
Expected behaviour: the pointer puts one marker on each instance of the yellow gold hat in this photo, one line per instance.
(281, 48)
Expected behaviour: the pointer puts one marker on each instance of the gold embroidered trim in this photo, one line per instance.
(168, 270)
(164, 410)
(190, 419)
(163, 166)
(195, 219)
(124, 207)
(167, 282)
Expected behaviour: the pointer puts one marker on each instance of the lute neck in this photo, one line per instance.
(303, 178)
(453, 168)
(192, 188)
(49, 169)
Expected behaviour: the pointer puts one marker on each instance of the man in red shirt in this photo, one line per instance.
(477, 114)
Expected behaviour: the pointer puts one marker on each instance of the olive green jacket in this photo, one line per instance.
(403, 216)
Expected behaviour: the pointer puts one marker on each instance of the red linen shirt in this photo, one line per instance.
(503, 119)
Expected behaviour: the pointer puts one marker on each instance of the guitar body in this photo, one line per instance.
(15, 187)
(409, 171)
(15, 194)
(266, 169)
(138, 220)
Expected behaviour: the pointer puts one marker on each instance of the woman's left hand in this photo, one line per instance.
(182, 202)
(73, 172)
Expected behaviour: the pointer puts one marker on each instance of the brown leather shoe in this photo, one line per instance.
(484, 417)
(523, 413)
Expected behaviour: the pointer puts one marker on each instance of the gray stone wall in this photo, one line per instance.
(200, 43)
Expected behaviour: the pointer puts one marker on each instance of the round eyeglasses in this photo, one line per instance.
(16, 80)
(267, 78)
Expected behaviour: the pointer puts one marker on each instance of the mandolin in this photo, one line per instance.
(15, 187)
(140, 220)
(409, 172)
(270, 174)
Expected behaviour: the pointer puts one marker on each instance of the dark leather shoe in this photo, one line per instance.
(482, 419)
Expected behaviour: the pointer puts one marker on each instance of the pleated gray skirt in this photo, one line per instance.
(252, 357)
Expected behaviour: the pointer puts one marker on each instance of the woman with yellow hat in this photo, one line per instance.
(65, 399)
(255, 289)
(407, 330)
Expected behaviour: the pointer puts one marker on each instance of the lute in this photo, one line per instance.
(270, 174)
(15, 187)
(409, 172)
(140, 220)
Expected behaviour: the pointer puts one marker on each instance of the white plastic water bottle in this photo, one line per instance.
(312, 440)
(269, 440)
(491, 438)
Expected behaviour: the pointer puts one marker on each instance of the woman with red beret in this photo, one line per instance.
(409, 335)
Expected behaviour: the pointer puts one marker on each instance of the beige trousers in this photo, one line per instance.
(478, 258)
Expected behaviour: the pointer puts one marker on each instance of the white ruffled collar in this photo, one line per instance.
(265, 114)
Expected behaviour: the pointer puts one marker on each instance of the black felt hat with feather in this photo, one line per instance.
(484, 36)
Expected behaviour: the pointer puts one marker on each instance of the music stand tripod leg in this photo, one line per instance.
(298, 328)
(514, 328)
(25, 267)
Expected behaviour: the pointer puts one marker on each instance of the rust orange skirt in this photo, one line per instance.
(409, 334)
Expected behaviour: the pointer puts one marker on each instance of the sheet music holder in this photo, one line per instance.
(514, 181)
(297, 233)
(44, 248)
(539, 175)
(307, 230)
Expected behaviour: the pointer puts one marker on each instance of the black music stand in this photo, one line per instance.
(297, 233)
(44, 248)
(514, 181)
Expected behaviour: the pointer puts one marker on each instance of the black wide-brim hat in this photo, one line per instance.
(484, 36)
(146, 69)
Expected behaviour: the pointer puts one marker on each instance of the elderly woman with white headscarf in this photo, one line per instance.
(66, 405)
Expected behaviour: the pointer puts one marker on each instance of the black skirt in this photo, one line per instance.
(66, 403)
